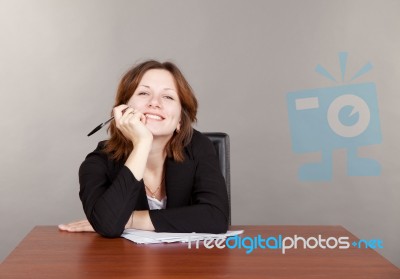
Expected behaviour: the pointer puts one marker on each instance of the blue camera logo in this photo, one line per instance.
(325, 119)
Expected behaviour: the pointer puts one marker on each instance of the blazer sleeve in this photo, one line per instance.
(107, 201)
(209, 211)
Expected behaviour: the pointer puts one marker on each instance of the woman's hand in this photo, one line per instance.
(132, 124)
(79, 226)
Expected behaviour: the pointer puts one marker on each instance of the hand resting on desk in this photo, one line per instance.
(139, 220)
(78, 226)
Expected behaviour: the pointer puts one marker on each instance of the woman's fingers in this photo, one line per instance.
(78, 226)
(129, 115)
(119, 111)
(132, 123)
(82, 228)
(143, 118)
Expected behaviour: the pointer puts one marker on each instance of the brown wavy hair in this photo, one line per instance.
(118, 147)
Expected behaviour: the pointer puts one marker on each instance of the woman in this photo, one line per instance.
(155, 172)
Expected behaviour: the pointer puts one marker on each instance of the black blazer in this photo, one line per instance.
(197, 199)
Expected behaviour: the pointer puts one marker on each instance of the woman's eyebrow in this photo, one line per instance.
(169, 89)
(147, 86)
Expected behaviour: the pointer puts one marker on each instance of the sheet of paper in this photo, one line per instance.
(149, 237)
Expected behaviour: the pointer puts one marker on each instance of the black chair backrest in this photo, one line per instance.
(221, 144)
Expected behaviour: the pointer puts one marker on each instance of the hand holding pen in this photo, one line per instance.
(131, 124)
(103, 124)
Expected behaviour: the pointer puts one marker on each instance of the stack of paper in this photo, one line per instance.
(147, 237)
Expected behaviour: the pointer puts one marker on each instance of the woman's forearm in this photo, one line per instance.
(137, 160)
(140, 220)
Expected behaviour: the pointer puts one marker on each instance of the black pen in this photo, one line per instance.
(104, 123)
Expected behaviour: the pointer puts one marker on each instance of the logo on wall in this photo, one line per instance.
(325, 119)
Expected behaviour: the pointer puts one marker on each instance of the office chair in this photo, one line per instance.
(221, 144)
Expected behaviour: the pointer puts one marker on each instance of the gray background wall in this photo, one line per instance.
(60, 63)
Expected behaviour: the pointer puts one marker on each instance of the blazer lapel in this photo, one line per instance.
(179, 179)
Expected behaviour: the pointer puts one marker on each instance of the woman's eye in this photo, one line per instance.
(168, 97)
(143, 93)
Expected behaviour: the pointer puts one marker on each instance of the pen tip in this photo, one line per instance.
(95, 130)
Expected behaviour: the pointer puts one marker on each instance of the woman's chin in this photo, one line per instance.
(161, 134)
(157, 132)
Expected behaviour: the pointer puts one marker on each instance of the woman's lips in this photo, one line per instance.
(154, 116)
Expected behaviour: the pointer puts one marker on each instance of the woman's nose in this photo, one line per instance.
(154, 102)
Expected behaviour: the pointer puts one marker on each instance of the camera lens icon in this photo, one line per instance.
(342, 112)
(326, 119)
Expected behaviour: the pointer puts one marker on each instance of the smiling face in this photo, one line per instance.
(157, 98)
